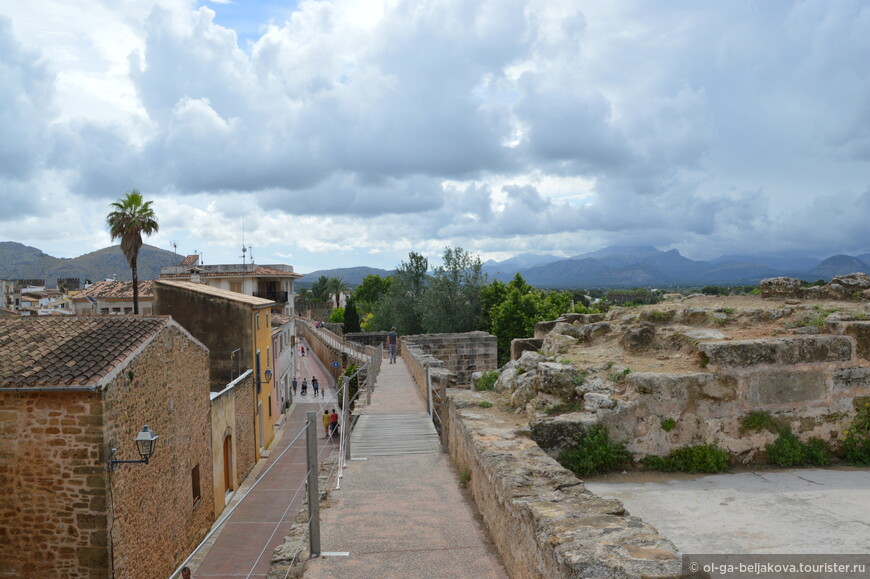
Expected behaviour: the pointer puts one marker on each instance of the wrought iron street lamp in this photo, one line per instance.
(145, 441)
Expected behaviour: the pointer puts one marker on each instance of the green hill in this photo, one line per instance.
(18, 261)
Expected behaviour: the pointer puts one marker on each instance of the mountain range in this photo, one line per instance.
(610, 267)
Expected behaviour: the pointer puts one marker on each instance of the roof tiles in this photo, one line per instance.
(68, 351)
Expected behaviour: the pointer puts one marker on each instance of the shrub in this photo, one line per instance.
(485, 404)
(668, 424)
(759, 420)
(464, 477)
(856, 443)
(699, 458)
(486, 381)
(594, 453)
(788, 450)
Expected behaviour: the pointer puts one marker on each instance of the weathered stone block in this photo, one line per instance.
(814, 349)
(739, 354)
(554, 434)
(520, 345)
(638, 339)
(861, 332)
(557, 344)
(93, 557)
(780, 287)
(852, 378)
(785, 387)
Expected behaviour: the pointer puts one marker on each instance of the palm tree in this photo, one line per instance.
(129, 219)
(337, 286)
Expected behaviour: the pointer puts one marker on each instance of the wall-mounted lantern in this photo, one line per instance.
(145, 441)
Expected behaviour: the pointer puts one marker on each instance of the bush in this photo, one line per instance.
(486, 381)
(699, 458)
(668, 424)
(856, 444)
(594, 453)
(788, 450)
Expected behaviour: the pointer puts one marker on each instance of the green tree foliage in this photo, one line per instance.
(131, 216)
(400, 306)
(351, 317)
(320, 290)
(520, 307)
(451, 302)
(336, 316)
(367, 293)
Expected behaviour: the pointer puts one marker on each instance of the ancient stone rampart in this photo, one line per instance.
(542, 519)
(461, 354)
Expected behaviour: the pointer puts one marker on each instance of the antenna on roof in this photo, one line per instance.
(174, 247)
(244, 249)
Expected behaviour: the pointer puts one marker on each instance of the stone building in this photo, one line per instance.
(71, 389)
(237, 329)
(112, 297)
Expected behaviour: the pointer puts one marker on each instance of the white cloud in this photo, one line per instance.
(389, 125)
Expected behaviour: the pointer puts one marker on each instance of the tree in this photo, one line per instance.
(351, 317)
(452, 301)
(130, 218)
(337, 286)
(320, 291)
(372, 289)
(336, 316)
(400, 307)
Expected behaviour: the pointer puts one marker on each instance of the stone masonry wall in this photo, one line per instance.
(808, 382)
(418, 361)
(227, 420)
(155, 520)
(462, 354)
(540, 516)
(52, 486)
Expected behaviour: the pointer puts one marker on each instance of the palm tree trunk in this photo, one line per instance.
(135, 288)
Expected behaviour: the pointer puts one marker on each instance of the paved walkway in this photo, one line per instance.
(243, 546)
(401, 515)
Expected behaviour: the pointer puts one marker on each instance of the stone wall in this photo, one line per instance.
(540, 516)
(231, 416)
(53, 509)
(62, 514)
(462, 354)
(419, 363)
(155, 521)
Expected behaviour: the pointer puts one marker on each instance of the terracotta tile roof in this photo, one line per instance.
(116, 290)
(215, 291)
(259, 272)
(190, 260)
(68, 351)
(279, 320)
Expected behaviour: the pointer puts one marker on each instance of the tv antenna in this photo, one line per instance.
(174, 245)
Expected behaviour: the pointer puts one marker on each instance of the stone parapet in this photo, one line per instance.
(797, 350)
(462, 354)
(542, 519)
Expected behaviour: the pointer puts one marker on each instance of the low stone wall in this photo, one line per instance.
(542, 519)
(418, 361)
(462, 354)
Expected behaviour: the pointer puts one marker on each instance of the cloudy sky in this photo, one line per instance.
(350, 132)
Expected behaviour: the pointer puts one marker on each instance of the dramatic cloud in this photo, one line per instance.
(348, 132)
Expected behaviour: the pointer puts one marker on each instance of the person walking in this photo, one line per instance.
(326, 421)
(333, 423)
(392, 342)
(314, 385)
(295, 385)
(304, 386)
(302, 350)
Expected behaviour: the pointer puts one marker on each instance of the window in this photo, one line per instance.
(194, 479)
(270, 405)
(236, 285)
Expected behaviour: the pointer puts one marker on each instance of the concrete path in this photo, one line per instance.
(401, 515)
(785, 511)
(243, 546)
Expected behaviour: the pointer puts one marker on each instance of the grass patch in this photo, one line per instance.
(707, 458)
(759, 420)
(619, 376)
(594, 453)
(668, 424)
(464, 477)
(486, 381)
(485, 404)
(817, 321)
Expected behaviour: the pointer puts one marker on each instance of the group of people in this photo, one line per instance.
(315, 386)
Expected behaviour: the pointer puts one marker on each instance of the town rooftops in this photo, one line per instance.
(69, 351)
(121, 290)
(190, 260)
(229, 270)
(216, 292)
